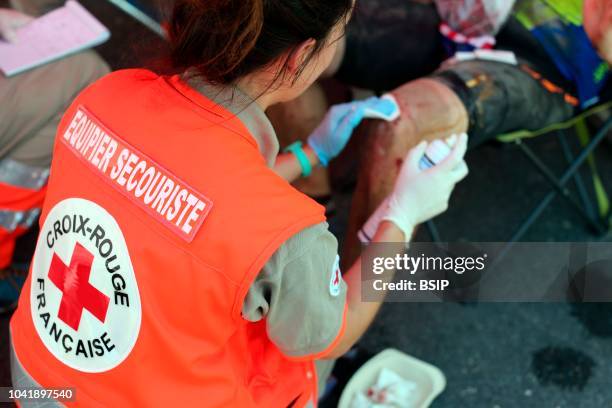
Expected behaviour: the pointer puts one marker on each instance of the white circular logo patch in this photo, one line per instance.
(84, 297)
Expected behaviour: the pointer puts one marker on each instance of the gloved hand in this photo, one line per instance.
(420, 195)
(332, 135)
(10, 21)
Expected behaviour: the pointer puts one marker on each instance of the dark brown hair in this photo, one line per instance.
(224, 40)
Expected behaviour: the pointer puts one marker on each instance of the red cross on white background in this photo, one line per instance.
(78, 293)
(337, 278)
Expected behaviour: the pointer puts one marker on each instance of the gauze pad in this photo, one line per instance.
(386, 108)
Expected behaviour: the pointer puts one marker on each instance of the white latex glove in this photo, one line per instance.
(10, 22)
(420, 195)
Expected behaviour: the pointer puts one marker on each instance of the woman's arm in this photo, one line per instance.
(360, 314)
(288, 167)
(418, 196)
(332, 135)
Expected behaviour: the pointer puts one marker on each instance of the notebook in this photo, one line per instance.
(61, 32)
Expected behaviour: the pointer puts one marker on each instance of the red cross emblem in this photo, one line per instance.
(78, 293)
(336, 280)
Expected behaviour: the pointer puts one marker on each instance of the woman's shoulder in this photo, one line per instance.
(118, 84)
(129, 75)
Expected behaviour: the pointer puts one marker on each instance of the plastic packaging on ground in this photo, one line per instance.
(390, 391)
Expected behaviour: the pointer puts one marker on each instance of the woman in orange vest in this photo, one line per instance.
(174, 265)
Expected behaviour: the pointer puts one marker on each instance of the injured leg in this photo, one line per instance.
(429, 110)
(491, 97)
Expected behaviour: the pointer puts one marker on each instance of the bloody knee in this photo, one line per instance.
(430, 109)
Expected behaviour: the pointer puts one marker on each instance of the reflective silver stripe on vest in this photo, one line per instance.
(10, 220)
(22, 175)
(22, 379)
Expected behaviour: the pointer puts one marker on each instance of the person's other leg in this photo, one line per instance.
(485, 99)
(501, 98)
(33, 103)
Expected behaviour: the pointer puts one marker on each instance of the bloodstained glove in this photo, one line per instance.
(420, 195)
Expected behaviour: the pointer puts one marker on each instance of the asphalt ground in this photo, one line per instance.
(493, 355)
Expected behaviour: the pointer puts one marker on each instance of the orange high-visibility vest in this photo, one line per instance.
(160, 213)
(22, 192)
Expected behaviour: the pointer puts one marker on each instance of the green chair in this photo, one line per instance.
(594, 211)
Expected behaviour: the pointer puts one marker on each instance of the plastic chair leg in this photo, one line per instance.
(601, 227)
(580, 186)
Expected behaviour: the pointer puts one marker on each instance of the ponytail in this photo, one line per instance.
(214, 35)
(223, 40)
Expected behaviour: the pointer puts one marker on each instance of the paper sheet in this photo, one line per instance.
(61, 32)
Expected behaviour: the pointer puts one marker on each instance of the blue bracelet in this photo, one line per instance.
(300, 155)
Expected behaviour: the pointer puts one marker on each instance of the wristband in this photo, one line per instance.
(300, 155)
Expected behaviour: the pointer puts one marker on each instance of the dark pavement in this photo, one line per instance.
(500, 355)
(493, 355)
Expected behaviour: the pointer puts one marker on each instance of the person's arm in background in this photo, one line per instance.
(417, 197)
(598, 25)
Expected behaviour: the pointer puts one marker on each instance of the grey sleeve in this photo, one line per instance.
(301, 294)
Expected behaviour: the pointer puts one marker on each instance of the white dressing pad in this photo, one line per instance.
(386, 108)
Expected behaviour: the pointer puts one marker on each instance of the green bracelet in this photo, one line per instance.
(296, 149)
